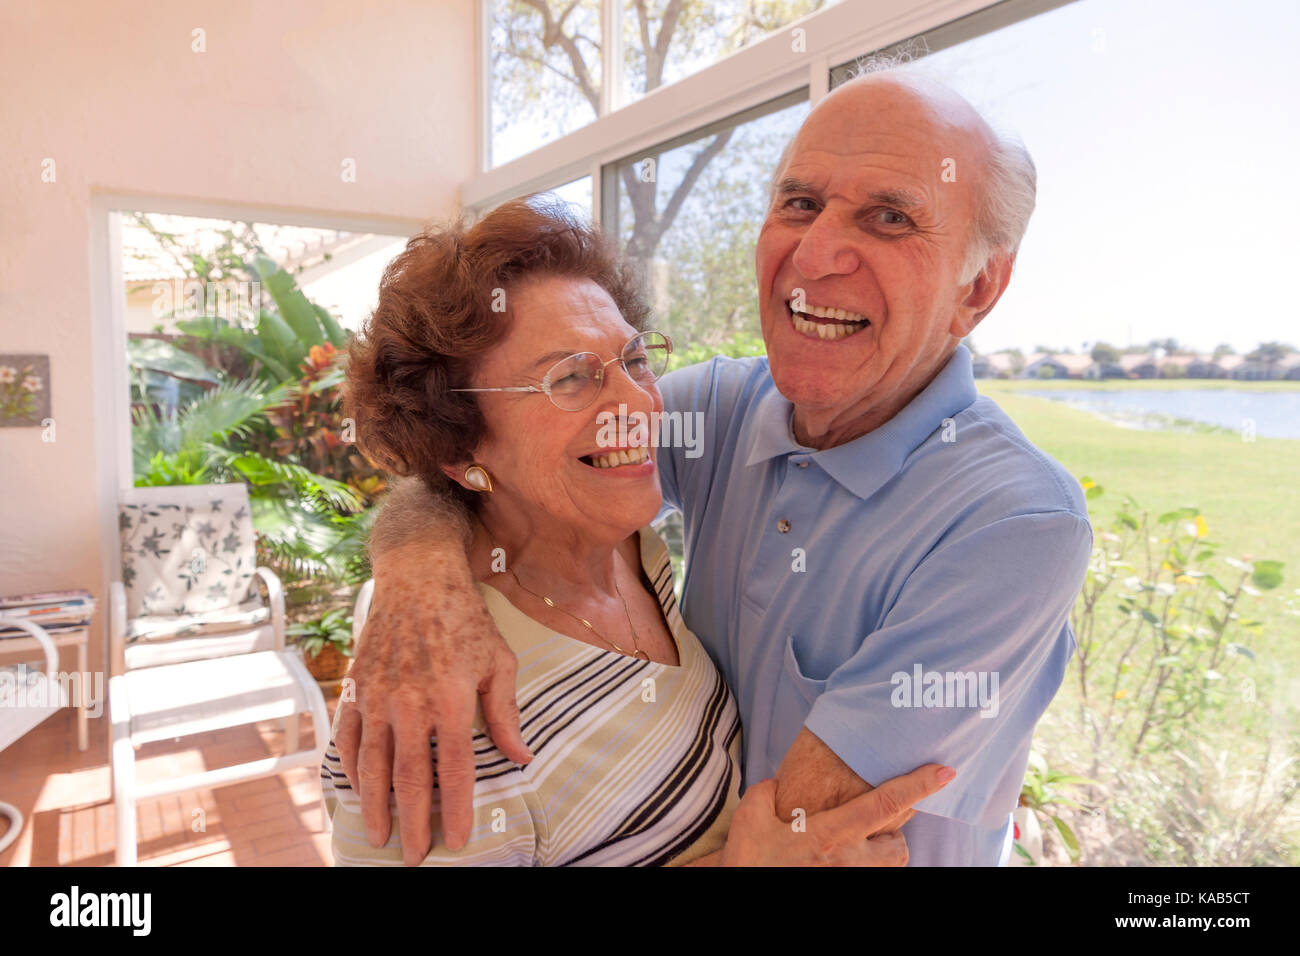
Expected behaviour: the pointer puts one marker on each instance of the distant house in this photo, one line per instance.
(1205, 366)
(1044, 365)
(1076, 366)
(1251, 370)
(996, 365)
(1139, 365)
(1099, 370)
(1229, 363)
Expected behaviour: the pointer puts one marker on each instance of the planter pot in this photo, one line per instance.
(328, 665)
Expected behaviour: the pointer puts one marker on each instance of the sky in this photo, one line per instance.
(1164, 132)
(1166, 136)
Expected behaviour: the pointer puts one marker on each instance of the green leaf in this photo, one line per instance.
(337, 335)
(215, 330)
(1267, 575)
(161, 356)
(295, 309)
(1071, 842)
(279, 340)
(1072, 779)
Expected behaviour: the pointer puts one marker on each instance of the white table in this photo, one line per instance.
(13, 644)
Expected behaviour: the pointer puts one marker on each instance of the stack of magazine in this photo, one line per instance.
(56, 611)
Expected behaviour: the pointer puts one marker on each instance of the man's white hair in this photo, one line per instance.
(1006, 194)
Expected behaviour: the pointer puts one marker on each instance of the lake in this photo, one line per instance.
(1275, 414)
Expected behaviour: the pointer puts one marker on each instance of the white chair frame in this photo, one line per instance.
(189, 708)
(19, 721)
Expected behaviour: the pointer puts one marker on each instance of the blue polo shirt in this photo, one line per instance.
(904, 596)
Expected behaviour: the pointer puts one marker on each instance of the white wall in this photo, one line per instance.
(115, 96)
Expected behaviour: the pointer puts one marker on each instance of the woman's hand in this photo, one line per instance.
(861, 832)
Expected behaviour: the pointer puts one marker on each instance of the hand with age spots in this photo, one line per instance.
(427, 656)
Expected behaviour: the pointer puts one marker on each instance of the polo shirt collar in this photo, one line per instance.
(865, 464)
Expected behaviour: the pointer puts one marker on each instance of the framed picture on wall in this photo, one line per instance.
(24, 390)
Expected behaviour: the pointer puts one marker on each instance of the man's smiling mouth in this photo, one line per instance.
(825, 322)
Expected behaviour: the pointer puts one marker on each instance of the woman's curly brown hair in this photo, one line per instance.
(435, 320)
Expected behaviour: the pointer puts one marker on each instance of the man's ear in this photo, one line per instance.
(985, 290)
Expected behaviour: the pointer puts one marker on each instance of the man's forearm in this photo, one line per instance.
(411, 514)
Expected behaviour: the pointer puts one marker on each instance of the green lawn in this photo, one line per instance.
(1245, 490)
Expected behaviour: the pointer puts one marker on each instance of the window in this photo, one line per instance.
(551, 62)
(194, 297)
(689, 211)
(577, 194)
(546, 72)
(666, 40)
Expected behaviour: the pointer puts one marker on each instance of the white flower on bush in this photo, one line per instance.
(7, 374)
(32, 383)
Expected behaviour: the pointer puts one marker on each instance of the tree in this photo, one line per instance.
(1103, 353)
(1270, 353)
(561, 38)
(1221, 350)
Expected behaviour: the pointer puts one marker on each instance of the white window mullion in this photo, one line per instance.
(611, 54)
(484, 85)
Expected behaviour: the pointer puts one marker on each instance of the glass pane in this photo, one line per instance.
(545, 72)
(666, 40)
(688, 214)
(1126, 186)
(577, 194)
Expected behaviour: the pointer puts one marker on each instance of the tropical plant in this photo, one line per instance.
(307, 523)
(282, 339)
(334, 627)
(311, 429)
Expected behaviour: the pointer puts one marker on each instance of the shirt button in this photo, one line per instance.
(783, 526)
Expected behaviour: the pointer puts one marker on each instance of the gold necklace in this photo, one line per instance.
(636, 650)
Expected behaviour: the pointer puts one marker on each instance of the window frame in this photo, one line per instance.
(764, 71)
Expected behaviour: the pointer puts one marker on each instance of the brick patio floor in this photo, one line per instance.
(66, 798)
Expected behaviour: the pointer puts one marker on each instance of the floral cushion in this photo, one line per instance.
(186, 550)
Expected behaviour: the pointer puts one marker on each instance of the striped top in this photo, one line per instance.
(635, 763)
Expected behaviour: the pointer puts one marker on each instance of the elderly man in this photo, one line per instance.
(880, 562)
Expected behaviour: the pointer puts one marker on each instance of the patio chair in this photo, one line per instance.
(194, 648)
(28, 697)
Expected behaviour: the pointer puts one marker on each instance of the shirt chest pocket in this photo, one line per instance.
(810, 688)
(791, 700)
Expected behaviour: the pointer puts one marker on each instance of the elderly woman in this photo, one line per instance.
(495, 356)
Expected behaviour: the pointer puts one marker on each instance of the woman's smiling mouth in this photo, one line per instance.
(618, 458)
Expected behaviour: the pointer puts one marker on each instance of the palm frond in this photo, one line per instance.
(230, 409)
(317, 490)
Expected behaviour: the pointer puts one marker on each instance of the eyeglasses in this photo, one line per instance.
(573, 383)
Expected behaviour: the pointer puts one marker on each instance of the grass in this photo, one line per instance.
(1246, 490)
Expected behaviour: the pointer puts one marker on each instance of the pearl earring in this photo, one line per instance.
(476, 477)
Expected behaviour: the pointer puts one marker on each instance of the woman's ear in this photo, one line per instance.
(457, 474)
(470, 476)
